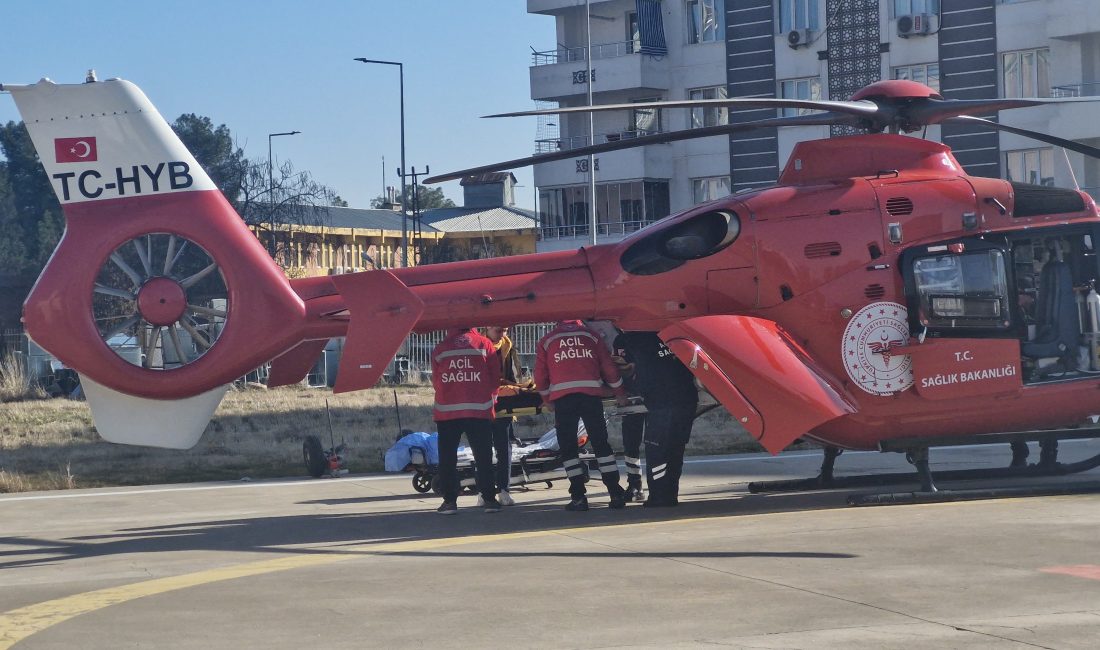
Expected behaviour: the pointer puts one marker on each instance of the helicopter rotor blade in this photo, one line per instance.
(1085, 149)
(816, 119)
(935, 111)
(861, 107)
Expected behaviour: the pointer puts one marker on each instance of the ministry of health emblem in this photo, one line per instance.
(870, 350)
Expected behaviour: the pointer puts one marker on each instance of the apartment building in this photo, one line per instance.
(806, 49)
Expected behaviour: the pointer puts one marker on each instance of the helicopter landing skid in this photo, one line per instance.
(916, 453)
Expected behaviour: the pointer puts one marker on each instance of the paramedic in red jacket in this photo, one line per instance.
(572, 367)
(465, 376)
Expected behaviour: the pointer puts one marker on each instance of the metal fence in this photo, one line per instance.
(1083, 89)
(569, 54)
(580, 230)
(548, 145)
(414, 359)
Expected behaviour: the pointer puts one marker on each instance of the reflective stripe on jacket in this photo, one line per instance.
(572, 359)
(465, 376)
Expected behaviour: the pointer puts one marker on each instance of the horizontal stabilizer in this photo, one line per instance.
(293, 365)
(130, 420)
(383, 311)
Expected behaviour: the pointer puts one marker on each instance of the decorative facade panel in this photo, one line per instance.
(750, 72)
(855, 56)
(968, 70)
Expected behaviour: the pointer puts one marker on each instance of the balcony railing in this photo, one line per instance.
(1083, 89)
(575, 142)
(581, 230)
(568, 54)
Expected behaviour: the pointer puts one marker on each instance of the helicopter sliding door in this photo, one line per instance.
(1055, 272)
(992, 314)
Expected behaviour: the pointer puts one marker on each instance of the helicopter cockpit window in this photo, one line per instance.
(968, 290)
(667, 248)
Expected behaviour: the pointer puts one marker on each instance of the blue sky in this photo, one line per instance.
(280, 65)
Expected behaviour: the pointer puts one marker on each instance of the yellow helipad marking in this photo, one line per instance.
(18, 624)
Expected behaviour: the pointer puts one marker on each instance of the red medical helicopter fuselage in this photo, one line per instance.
(876, 292)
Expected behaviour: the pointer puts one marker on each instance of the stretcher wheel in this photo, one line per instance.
(549, 484)
(314, 456)
(422, 482)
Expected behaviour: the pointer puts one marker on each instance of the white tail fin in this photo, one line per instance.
(105, 140)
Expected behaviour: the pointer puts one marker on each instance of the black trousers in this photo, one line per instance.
(569, 411)
(502, 445)
(667, 431)
(633, 429)
(479, 434)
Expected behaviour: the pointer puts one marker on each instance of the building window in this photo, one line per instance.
(709, 189)
(704, 21)
(909, 7)
(633, 33)
(645, 121)
(924, 73)
(708, 116)
(620, 208)
(1026, 73)
(808, 88)
(1035, 166)
(797, 14)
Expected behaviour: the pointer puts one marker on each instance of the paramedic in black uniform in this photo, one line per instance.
(668, 389)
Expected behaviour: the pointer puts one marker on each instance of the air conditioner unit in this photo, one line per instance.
(914, 25)
(799, 37)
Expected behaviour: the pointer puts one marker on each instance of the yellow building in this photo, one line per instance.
(322, 240)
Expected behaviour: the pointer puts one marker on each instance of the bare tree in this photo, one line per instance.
(287, 201)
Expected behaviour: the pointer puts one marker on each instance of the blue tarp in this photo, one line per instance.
(398, 456)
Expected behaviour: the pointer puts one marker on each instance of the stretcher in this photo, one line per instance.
(533, 461)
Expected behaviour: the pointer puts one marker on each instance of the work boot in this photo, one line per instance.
(491, 505)
(618, 499)
(635, 493)
(448, 508)
(506, 499)
(577, 504)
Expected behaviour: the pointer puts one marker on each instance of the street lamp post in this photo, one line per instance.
(271, 186)
(404, 203)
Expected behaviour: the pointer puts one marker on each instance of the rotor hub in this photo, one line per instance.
(161, 301)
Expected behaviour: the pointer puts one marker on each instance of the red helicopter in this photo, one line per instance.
(876, 297)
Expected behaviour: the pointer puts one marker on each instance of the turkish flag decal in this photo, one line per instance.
(69, 150)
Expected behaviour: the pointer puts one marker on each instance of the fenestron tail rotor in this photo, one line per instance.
(160, 301)
(899, 106)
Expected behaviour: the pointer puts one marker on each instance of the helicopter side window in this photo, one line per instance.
(694, 238)
(966, 290)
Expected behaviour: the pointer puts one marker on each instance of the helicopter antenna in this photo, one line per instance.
(1073, 177)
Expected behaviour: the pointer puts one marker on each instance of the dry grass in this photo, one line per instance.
(15, 383)
(256, 433)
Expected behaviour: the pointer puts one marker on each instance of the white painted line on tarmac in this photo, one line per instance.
(198, 488)
(81, 494)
